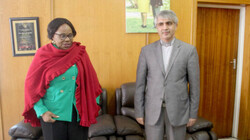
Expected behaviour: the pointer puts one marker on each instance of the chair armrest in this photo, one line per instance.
(212, 135)
(200, 124)
(127, 111)
(25, 130)
(201, 135)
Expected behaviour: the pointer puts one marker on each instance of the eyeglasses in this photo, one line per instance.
(168, 23)
(64, 36)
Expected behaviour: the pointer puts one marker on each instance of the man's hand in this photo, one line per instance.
(48, 117)
(191, 122)
(140, 120)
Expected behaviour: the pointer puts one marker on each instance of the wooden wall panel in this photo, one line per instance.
(244, 123)
(13, 69)
(227, 1)
(1, 40)
(184, 29)
(1, 124)
(114, 53)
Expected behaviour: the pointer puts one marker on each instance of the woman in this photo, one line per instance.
(61, 86)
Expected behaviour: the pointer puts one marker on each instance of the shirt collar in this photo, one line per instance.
(167, 44)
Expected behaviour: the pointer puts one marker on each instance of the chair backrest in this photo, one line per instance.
(125, 99)
(103, 102)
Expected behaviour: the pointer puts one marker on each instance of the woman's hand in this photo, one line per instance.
(48, 117)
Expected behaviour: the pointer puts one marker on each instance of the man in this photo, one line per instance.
(156, 6)
(164, 71)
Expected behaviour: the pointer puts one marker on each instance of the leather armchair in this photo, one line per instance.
(104, 129)
(129, 129)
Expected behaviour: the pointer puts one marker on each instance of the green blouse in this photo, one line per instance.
(60, 96)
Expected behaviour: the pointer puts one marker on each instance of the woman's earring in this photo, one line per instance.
(53, 42)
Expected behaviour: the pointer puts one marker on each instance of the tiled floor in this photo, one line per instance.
(228, 139)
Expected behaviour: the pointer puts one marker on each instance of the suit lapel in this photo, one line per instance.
(175, 51)
(158, 54)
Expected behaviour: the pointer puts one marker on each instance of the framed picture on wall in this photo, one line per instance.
(140, 14)
(24, 35)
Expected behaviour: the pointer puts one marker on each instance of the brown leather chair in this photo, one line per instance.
(104, 129)
(129, 129)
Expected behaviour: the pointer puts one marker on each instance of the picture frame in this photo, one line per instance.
(24, 35)
(140, 14)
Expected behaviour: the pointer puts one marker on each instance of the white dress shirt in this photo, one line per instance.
(166, 52)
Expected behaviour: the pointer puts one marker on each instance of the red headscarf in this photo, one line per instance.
(50, 62)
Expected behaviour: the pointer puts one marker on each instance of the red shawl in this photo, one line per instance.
(50, 62)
